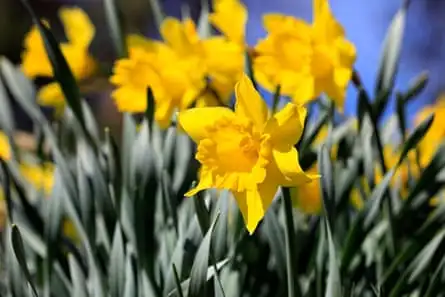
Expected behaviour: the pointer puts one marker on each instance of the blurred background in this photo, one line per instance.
(365, 23)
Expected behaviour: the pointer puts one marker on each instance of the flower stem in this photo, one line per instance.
(293, 289)
(276, 99)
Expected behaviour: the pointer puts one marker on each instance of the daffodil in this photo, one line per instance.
(304, 59)
(245, 151)
(79, 33)
(40, 177)
(435, 135)
(5, 149)
(230, 18)
(173, 87)
(181, 71)
(221, 60)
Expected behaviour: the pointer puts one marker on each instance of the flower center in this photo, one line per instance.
(232, 146)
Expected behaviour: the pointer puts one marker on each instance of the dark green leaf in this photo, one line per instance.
(416, 137)
(416, 87)
(198, 274)
(19, 251)
(157, 11)
(201, 212)
(248, 62)
(177, 281)
(150, 111)
(6, 187)
(435, 282)
(185, 285)
(169, 198)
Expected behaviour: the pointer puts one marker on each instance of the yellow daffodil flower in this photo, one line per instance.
(435, 135)
(173, 87)
(305, 60)
(79, 32)
(230, 18)
(177, 71)
(245, 151)
(5, 149)
(40, 177)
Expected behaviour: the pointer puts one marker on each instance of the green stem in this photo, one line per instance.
(276, 99)
(293, 289)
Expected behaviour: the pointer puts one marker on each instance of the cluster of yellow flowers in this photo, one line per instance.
(39, 177)
(249, 150)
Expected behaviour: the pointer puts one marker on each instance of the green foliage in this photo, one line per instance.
(136, 234)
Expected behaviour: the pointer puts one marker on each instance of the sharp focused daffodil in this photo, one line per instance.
(245, 151)
(79, 33)
(304, 59)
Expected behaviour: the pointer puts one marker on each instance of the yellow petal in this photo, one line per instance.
(163, 113)
(51, 95)
(173, 33)
(288, 165)
(205, 182)
(277, 22)
(78, 27)
(254, 204)
(305, 91)
(286, 126)
(5, 149)
(307, 197)
(230, 18)
(249, 102)
(196, 120)
(130, 99)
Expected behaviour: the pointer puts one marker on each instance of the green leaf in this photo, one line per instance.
(177, 281)
(414, 139)
(19, 251)
(423, 262)
(157, 11)
(116, 280)
(333, 287)
(220, 234)
(128, 138)
(198, 274)
(391, 51)
(61, 69)
(77, 277)
(435, 283)
(6, 114)
(169, 198)
(313, 132)
(327, 183)
(130, 288)
(6, 187)
(275, 238)
(114, 21)
(201, 212)
(416, 87)
(249, 68)
(150, 111)
(185, 285)
(204, 28)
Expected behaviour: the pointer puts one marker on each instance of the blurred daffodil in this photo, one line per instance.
(436, 134)
(230, 18)
(40, 177)
(79, 33)
(246, 152)
(5, 149)
(182, 71)
(305, 60)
